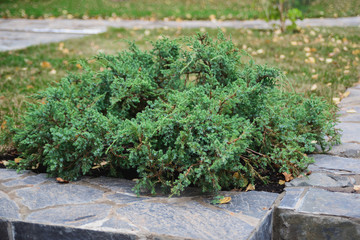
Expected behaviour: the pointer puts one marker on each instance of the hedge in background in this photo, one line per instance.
(190, 114)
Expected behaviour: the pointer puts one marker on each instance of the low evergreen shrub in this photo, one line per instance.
(189, 113)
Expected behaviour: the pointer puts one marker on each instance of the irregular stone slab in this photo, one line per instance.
(187, 220)
(322, 180)
(350, 117)
(350, 132)
(292, 197)
(334, 164)
(255, 204)
(114, 184)
(26, 231)
(354, 92)
(293, 225)
(8, 208)
(345, 109)
(6, 174)
(320, 201)
(124, 199)
(75, 215)
(57, 194)
(264, 232)
(349, 101)
(31, 180)
(348, 150)
(119, 225)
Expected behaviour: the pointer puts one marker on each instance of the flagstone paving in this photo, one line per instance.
(109, 205)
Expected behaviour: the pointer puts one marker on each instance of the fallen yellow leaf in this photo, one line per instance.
(351, 111)
(357, 187)
(5, 163)
(281, 182)
(3, 125)
(78, 66)
(61, 46)
(250, 187)
(104, 163)
(310, 60)
(36, 166)
(313, 87)
(356, 51)
(212, 17)
(45, 64)
(236, 175)
(65, 51)
(336, 100)
(345, 94)
(315, 76)
(17, 160)
(29, 86)
(225, 200)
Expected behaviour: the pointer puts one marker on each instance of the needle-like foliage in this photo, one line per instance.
(190, 114)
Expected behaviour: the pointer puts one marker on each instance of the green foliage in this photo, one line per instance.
(294, 14)
(180, 114)
(282, 10)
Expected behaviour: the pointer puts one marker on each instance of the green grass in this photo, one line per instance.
(172, 9)
(24, 72)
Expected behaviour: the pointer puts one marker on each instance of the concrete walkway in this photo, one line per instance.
(323, 205)
(21, 33)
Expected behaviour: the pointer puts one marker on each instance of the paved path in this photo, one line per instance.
(21, 33)
(323, 205)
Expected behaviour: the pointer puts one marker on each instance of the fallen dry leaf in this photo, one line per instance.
(345, 94)
(336, 100)
(315, 76)
(29, 86)
(250, 187)
(5, 163)
(310, 60)
(288, 176)
(96, 167)
(78, 65)
(212, 17)
(45, 64)
(308, 173)
(357, 187)
(281, 182)
(225, 200)
(3, 125)
(35, 167)
(351, 111)
(313, 87)
(103, 163)
(17, 160)
(60, 180)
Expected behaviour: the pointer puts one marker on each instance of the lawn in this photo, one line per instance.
(171, 9)
(320, 61)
